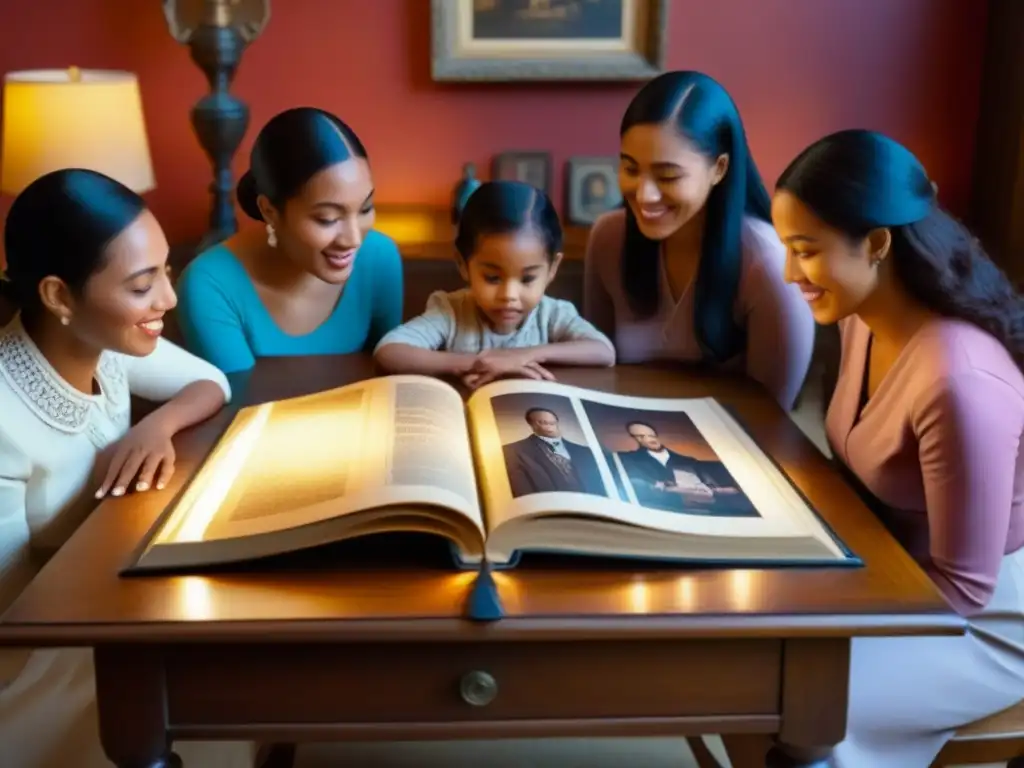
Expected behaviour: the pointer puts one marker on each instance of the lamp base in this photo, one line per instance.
(219, 120)
(214, 237)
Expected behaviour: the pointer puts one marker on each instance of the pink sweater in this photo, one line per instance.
(778, 322)
(937, 446)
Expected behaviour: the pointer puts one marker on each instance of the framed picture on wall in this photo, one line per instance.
(532, 167)
(591, 188)
(502, 40)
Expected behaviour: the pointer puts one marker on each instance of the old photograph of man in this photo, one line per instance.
(666, 462)
(544, 448)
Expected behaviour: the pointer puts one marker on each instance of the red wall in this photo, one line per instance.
(797, 68)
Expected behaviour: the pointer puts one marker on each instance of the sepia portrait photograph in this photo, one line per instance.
(591, 188)
(544, 447)
(663, 462)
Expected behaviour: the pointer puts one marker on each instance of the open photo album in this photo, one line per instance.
(522, 466)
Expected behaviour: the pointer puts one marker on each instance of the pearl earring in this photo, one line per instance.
(271, 236)
(65, 320)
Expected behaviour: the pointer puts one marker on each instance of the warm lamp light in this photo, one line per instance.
(408, 224)
(54, 118)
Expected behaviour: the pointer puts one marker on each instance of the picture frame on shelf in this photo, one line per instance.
(531, 167)
(591, 188)
(533, 40)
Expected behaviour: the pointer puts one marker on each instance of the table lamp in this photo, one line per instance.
(72, 118)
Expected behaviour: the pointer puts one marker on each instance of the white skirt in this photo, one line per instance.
(908, 696)
(48, 716)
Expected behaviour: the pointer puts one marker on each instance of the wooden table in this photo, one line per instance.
(332, 654)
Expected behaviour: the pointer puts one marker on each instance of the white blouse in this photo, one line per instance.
(50, 435)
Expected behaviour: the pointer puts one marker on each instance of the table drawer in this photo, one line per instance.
(427, 682)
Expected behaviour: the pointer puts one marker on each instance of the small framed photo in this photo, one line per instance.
(532, 167)
(591, 188)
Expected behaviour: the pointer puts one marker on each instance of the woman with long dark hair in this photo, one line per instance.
(691, 269)
(318, 280)
(926, 419)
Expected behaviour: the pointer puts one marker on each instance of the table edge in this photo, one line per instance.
(560, 628)
(915, 614)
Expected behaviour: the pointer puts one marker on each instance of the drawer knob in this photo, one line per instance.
(478, 688)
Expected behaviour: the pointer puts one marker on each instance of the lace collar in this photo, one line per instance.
(42, 389)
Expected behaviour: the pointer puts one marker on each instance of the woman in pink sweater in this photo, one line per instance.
(691, 269)
(927, 418)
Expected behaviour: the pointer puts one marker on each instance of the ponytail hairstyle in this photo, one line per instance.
(290, 149)
(704, 114)
(60, 226)
(857, 181)
(504, 207)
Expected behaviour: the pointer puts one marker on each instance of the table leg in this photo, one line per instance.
(276, 756)
(747, 750)
(131, 701)
(701, 753)
(784, 756)
(815, 683)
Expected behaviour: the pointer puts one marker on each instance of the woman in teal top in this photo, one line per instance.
(320, 281)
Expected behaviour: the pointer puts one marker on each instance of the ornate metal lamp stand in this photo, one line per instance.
(217, 32)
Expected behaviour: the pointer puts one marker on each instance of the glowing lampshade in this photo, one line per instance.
(57, 118)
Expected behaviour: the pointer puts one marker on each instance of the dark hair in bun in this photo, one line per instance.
(294, 146)
(60, 225)
(857, 181)
(246, 195)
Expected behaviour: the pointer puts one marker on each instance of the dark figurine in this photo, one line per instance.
(467, 186)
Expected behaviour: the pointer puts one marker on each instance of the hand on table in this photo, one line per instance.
(145, 455)
(504, 363)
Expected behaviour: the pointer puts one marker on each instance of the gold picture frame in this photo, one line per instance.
(507, 40)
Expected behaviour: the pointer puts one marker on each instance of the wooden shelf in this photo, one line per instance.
(426, 232)
(425, 238)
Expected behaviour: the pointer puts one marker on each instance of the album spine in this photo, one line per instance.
(484, 602)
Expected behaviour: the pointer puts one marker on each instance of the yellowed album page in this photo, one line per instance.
(398, 441)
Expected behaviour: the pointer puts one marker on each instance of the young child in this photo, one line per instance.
(509, 247)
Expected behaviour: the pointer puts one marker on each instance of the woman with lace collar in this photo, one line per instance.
(87, 267)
